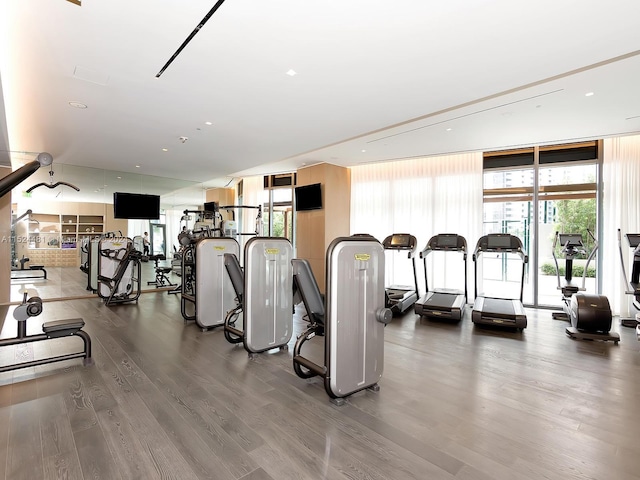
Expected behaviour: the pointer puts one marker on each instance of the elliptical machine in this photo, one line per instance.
(589, 314)
(572, 246)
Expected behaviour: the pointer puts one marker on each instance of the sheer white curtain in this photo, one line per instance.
(174, 226)
(252, 195)
(621, 201)
(423, 197)
(137, 228)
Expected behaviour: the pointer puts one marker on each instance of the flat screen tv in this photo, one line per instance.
(137, 206)
(308, 197)
(211, 207)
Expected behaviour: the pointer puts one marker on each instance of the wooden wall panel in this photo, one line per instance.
(316, 229)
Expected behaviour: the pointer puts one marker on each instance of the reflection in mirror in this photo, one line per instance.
(50, 224)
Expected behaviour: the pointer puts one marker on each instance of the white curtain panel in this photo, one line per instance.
(621, 209)
(137, 228)
(252, 195)
(174, 227)
(423, 197)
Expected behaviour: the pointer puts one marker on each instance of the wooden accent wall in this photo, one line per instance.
(224, 196)
(316, 229)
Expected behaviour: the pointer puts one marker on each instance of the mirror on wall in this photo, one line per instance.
(49, 224)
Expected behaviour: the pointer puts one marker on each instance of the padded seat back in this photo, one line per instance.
(236, 274)
(308, 289)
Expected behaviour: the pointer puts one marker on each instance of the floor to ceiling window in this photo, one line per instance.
(278, 206)
(533, 193)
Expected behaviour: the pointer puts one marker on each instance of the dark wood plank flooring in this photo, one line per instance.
(165, 400)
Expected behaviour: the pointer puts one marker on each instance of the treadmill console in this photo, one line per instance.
(499, 241)
(446, 241)
(570, 240)
(633, 239)
(399, 241)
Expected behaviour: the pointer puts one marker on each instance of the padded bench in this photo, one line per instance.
(59, 328)
(32, 268)
(53, 329)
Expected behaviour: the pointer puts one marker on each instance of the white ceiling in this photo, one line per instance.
(376, 80)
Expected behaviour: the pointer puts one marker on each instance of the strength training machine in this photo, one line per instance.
(119, 270)
(264, 294)
(499, 311)
(443, 303)
(399, 298)
(352, 316)
(206, 288)
(31, 306)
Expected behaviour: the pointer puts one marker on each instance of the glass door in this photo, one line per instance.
(533, 193)
(278, 213)
(567, 204)
(158, 234)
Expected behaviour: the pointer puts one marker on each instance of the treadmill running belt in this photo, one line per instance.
(441, 300)
(499, 307)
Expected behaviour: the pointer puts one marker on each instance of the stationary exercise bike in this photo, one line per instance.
(589, 314)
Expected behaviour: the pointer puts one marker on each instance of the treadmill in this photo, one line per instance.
(501, 312)
(442, 303)
(399, 298)
(633, 282)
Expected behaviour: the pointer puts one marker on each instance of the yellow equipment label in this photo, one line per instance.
(364, 257)
(272, 251)
(219, 247)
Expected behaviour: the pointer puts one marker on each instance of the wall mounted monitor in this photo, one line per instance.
(308, 197)
(211, 207)
(136, 206)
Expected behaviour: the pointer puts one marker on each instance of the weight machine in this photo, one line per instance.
(31, 306)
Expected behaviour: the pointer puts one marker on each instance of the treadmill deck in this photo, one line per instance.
(499, 311)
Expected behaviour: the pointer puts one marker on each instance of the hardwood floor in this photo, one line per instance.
(165, 400)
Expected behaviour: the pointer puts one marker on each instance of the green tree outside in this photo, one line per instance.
(577, 216)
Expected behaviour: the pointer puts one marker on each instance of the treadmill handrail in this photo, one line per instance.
(413, 243)
(463, 248)
(517, 250)
(478, 251)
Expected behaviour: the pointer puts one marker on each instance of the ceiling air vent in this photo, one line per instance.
(280, 180)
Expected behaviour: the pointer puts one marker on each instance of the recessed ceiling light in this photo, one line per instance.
(589, 94)
(165, 149)
(96, 191)
(292, 72)
(363, 151)
(77, 105)
(449, 129)
(137, 166)
(208, 123)
(118, 178)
